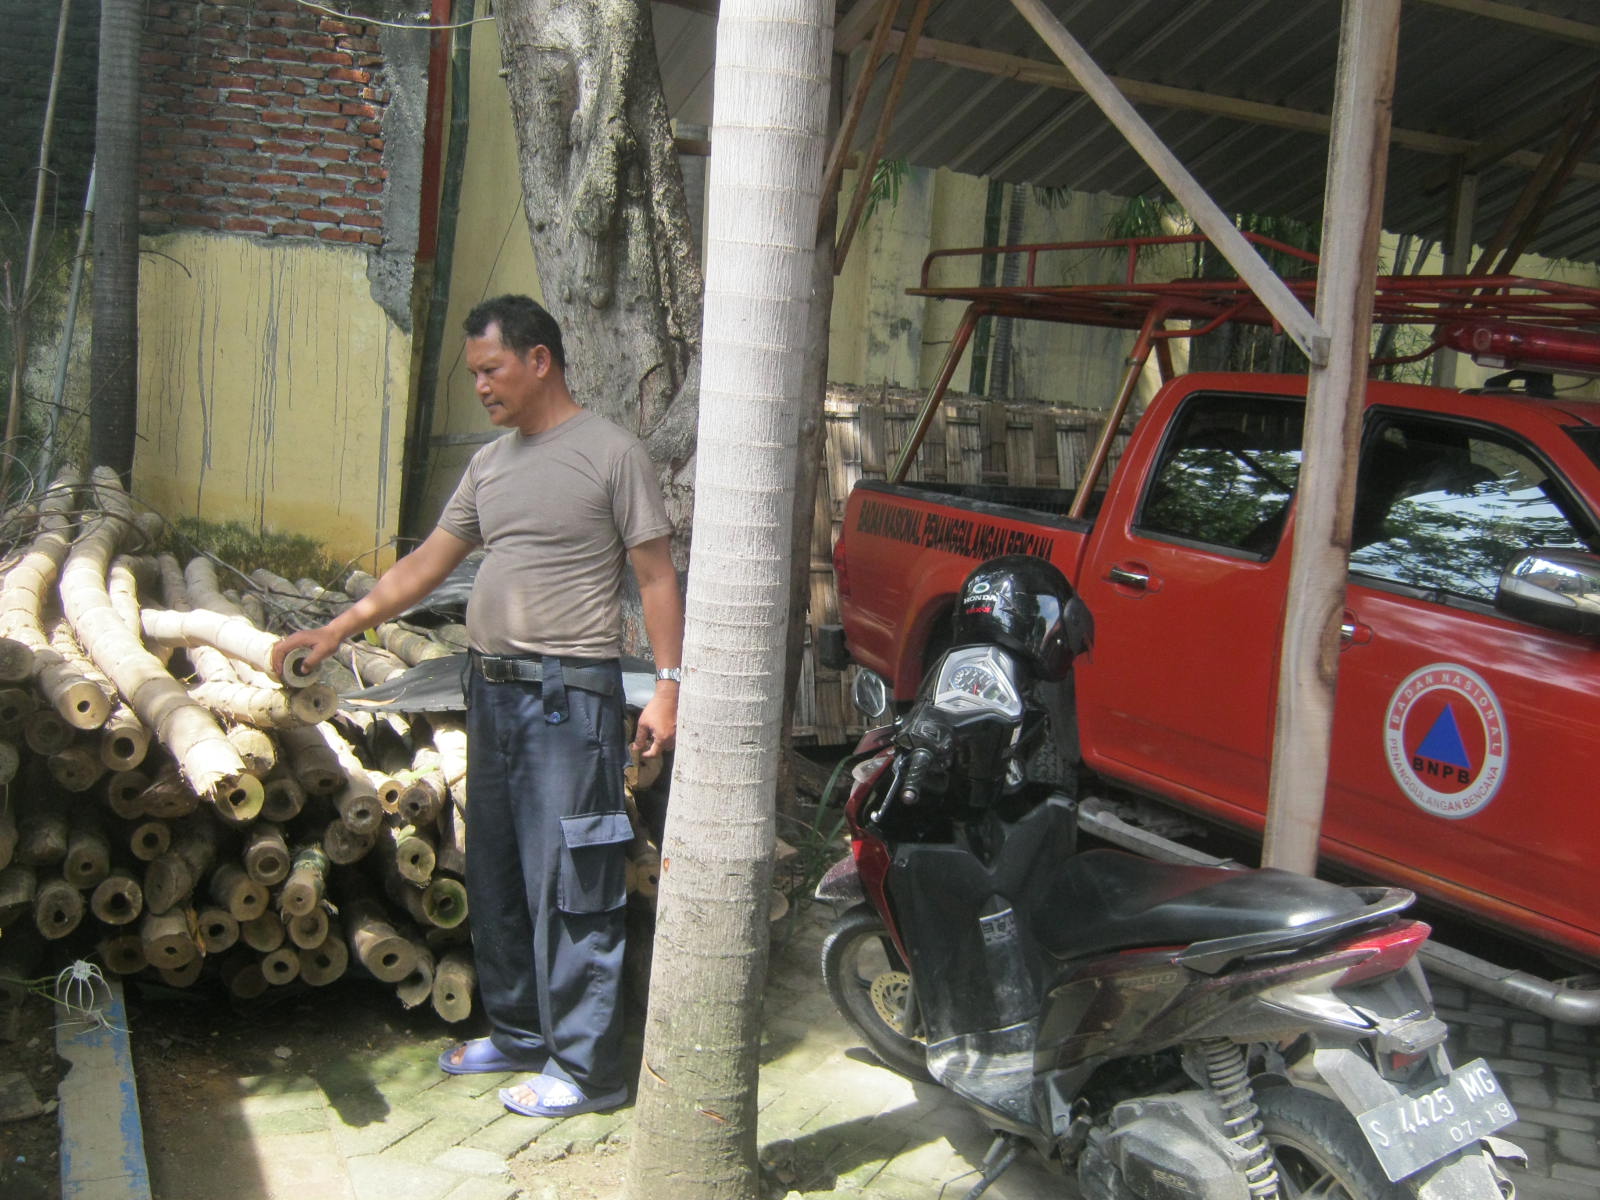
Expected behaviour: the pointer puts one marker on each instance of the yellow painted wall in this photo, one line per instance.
(273, 390)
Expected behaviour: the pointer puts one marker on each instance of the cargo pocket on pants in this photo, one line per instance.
(594, 862)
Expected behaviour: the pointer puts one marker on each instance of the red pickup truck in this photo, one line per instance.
(1467, 731)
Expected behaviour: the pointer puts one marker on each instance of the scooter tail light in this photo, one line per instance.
(1384, 952)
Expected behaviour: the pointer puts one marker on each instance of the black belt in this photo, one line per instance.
(586, 674)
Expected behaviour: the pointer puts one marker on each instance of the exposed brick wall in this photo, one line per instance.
(262, 118)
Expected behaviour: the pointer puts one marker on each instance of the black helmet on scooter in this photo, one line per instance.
(1026, 605)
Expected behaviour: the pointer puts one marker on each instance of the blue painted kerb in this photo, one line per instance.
(102, 1139)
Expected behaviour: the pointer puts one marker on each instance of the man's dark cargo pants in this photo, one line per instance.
(547, 831)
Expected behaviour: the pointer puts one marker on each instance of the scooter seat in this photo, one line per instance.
(1107, 900)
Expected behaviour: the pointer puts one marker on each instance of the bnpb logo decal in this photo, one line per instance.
(1445, 740)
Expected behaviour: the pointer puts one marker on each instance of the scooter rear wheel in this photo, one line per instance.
(871, 987)
(1320, 1150)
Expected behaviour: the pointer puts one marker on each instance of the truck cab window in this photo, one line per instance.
(1227, 473)
(1443, 506)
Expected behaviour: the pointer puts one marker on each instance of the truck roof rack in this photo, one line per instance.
(1458, 306)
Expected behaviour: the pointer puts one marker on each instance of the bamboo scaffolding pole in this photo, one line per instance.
(168, 939)
(263, 934)
(58, 908)
(281, 966)
(322, 964)
(217, 930)
(454, 980)
(308, 930)
(18, 886)
(266, 854)
(28, 591)
(241, 974)
(88, 857)
(207, 761)
(417, 987)
(123, 954)
(117, 899)
(149, 840)
(234, 636)
(124, 793)
(243, 897)
(374, 942)
(284, 798)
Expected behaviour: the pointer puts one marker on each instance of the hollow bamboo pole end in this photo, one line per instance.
(322, 964)
(296, 674)
(445, 903)
(238, 799)
(118, 900)
(83, 705)
(313, 703)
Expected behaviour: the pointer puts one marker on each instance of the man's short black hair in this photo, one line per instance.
(523, 324)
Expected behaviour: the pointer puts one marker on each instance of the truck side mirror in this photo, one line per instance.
(1555, 589)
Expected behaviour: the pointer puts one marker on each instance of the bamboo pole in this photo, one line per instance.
(417, 987)
(149, 840)
(124, 793)
(207, 761)
(308, 930)
(374, 942)
(217, 930)
(307, 882)
(242, 975)
(25, 596)
(454, 980)
(88, 857)
(123, 954)
(117, 899)
(263, 934)
(243, 897)
(322, 964)
(266, 854)
(281, 966)
(284, 796)
(18, 886)
(58, 908)
(234, 636)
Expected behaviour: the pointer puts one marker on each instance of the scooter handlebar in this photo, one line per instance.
(916, 769)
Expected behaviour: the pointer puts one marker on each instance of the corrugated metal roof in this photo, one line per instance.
(1470, 75)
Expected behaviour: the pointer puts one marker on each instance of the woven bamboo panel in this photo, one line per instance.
(968, 441)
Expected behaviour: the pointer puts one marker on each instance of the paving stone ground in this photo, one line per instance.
(832, 1124)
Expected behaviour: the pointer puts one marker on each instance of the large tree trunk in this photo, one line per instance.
(695, 1121)
(609, 222)
(114, 353)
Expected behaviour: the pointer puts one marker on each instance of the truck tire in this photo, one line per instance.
(870, 986)
(1320, 1150)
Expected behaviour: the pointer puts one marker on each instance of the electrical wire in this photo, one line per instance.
(344, 16)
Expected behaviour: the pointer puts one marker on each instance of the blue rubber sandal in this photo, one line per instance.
(558, 1098)
(480, 1056)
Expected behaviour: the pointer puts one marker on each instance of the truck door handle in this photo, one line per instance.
(1352, 632)
(1129, 577)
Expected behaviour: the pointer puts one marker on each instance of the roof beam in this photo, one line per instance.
(1285, 308)
(1581, 32)
(1044, 74)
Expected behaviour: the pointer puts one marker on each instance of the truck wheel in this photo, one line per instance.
(1320, 1150)
(871, 987)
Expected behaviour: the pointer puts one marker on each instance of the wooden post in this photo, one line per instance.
(1352, 211)
(1457, 256)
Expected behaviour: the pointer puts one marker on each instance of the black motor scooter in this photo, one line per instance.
(1165, 1032)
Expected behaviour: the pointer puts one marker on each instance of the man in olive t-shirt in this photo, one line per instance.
(559, 504)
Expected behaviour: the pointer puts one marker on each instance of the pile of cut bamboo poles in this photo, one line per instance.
(170, 806)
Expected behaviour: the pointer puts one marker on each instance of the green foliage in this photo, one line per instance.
(887, 177)
(292, 555)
